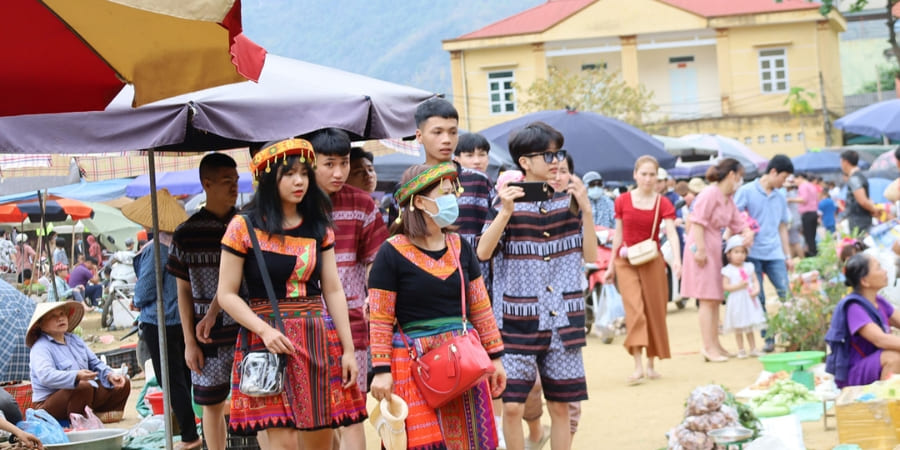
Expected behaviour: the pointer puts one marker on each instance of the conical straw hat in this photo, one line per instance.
(76, 313)
(171, 213)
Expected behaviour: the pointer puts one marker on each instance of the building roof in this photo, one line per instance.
(534, 20)
(720, 8)
(542, 17)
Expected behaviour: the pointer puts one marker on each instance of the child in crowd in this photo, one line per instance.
(828, 209)
(744, 313)
(472, 152)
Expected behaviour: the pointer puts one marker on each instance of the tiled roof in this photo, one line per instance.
(719, 8)
(534, 20)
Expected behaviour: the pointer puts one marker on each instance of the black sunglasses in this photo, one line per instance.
(549, 155)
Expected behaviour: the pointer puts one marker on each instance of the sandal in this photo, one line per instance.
(653, 375)
(635, 380)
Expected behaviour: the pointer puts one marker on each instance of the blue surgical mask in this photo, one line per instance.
(595, 192)
(448, 210)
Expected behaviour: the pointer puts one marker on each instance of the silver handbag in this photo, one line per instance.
(262, 374)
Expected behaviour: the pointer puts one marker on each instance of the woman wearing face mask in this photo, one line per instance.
(701, 277)
(602, 206)
(415, 282)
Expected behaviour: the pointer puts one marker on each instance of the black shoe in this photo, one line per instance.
(769, 347)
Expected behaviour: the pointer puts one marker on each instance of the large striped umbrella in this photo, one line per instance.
(55, 211)
(64, 56)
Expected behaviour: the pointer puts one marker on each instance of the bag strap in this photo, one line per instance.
(462, 286)
(655, 217)
(267, 281)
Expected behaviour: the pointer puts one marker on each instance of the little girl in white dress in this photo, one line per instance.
(743, 314)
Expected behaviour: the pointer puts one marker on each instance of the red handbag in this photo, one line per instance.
(457, 365)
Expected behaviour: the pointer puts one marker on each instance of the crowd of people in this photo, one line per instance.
(356, 286)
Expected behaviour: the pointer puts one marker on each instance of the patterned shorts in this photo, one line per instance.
(362, 363)
(561, 371)
(213, 385)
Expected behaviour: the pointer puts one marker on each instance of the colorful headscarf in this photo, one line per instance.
(433, 174)
(267, 156)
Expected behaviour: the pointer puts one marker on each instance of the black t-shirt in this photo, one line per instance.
(858, 216)
(422, 295)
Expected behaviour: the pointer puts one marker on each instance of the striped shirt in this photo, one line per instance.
(194, 257)
(538, 277)
(359, 232)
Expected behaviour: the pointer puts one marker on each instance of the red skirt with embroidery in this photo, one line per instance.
(314, 397)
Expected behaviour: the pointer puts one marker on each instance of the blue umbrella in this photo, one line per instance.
(876, 189)
(595, 142)
(879, 119)
(821, 162)
(691, 171)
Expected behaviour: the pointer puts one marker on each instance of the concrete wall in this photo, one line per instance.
(765, 125)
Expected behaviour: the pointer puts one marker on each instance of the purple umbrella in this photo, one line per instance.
(877, 120)
(596, 142)
(691, 171)
(182, 182)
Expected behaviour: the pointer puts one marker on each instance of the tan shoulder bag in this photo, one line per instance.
(644, 251)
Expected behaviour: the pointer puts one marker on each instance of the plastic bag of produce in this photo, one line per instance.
(705, 399)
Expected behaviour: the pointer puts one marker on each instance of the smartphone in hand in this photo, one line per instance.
(535, 191)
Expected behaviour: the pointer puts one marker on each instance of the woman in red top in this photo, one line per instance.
(644, 288)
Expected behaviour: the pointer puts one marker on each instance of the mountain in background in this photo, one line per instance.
(398, 41)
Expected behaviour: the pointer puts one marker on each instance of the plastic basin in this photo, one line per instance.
(105, 439)
(156, 402)
(791, 361)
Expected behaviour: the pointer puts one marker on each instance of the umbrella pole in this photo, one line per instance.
(163, 378)
(52, 277)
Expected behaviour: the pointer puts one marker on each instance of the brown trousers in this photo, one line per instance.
(644, 292)
(64, 401)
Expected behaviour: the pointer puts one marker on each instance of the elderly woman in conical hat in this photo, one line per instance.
(66, 375)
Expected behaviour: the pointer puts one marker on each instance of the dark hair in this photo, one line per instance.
(329, 142)
(722, 169)
(856, 268)
(359, 153)
(215, 161)
(535, 137)
(265, 209)
(848, 251)
(90, 259)
(412, 223)
(851, 157)
(434, 107)
(468, 142)
(60, 242)
(780, 163)
(570, 164)
(897, 153)
(681, 188)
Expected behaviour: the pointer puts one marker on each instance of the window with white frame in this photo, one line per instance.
(773, 75)
(502, 94)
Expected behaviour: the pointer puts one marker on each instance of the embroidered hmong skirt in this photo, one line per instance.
(313, 396)
(466, 422)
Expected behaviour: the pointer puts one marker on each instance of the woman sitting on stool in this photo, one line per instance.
(863, 348)
(66, 375)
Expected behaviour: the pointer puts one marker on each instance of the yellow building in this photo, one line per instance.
(715, 66)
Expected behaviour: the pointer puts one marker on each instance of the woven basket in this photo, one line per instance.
(21, 393)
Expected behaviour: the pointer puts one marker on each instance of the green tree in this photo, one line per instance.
(596, 90)
(886, 74)
(858, 5)
(798, 104)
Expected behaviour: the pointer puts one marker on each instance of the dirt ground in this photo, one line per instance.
(617, 416)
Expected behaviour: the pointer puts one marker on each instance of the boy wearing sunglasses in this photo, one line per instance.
(538, 250)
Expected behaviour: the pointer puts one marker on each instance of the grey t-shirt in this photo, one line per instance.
(857, 216)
